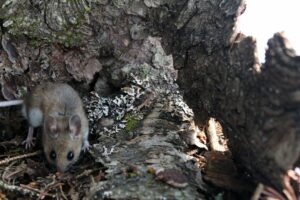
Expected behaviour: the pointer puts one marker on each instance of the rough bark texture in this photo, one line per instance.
(258, 106)
(141, 129)
(104, 43)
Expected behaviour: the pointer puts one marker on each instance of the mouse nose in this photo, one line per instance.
(61, 168)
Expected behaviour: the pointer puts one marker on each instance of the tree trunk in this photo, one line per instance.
(102, 42)
(258, 106)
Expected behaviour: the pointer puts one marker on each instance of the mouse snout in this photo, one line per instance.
(62, 168)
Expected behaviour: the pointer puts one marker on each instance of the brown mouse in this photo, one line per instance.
(58, 108)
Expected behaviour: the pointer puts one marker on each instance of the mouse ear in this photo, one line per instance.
(75, 125)
(50, 126)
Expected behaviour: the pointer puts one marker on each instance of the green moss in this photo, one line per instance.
(23, 22)
(131, 121)
(71, 38)
(132, 174)
(145, 72)
(36, 42)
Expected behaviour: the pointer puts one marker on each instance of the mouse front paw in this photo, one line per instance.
(86, 146)
(28, 143)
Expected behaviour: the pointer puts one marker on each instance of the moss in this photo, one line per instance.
(132, 175)
(35, 43)
(131, 121)
(70, 38)
(24, 19)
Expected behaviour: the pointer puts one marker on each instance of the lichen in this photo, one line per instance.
(52, 21)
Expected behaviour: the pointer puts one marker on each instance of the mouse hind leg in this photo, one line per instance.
(35, 118)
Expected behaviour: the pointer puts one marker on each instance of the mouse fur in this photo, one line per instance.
(58, 108)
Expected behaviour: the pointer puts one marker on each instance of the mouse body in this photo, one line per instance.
(58, 108)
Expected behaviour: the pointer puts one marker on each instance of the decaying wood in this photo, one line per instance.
(101, 42)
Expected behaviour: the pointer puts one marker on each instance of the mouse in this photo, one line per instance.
(58, 109)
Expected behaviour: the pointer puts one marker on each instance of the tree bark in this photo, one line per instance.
(258, 106)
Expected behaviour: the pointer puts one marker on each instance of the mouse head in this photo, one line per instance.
(62, 140)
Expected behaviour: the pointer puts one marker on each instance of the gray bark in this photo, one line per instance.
(100, 43)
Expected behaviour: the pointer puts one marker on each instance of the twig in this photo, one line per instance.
(7, 160)
(40, 194)
(6, 176)
(52, 183)
(289, 191)
(273, 193)
(22, 190)
(85, 173)
(55, 185)
(6, 169)
(62, 193)
(258, 192)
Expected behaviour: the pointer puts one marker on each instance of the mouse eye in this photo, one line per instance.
(52, 155)
(70, 155)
